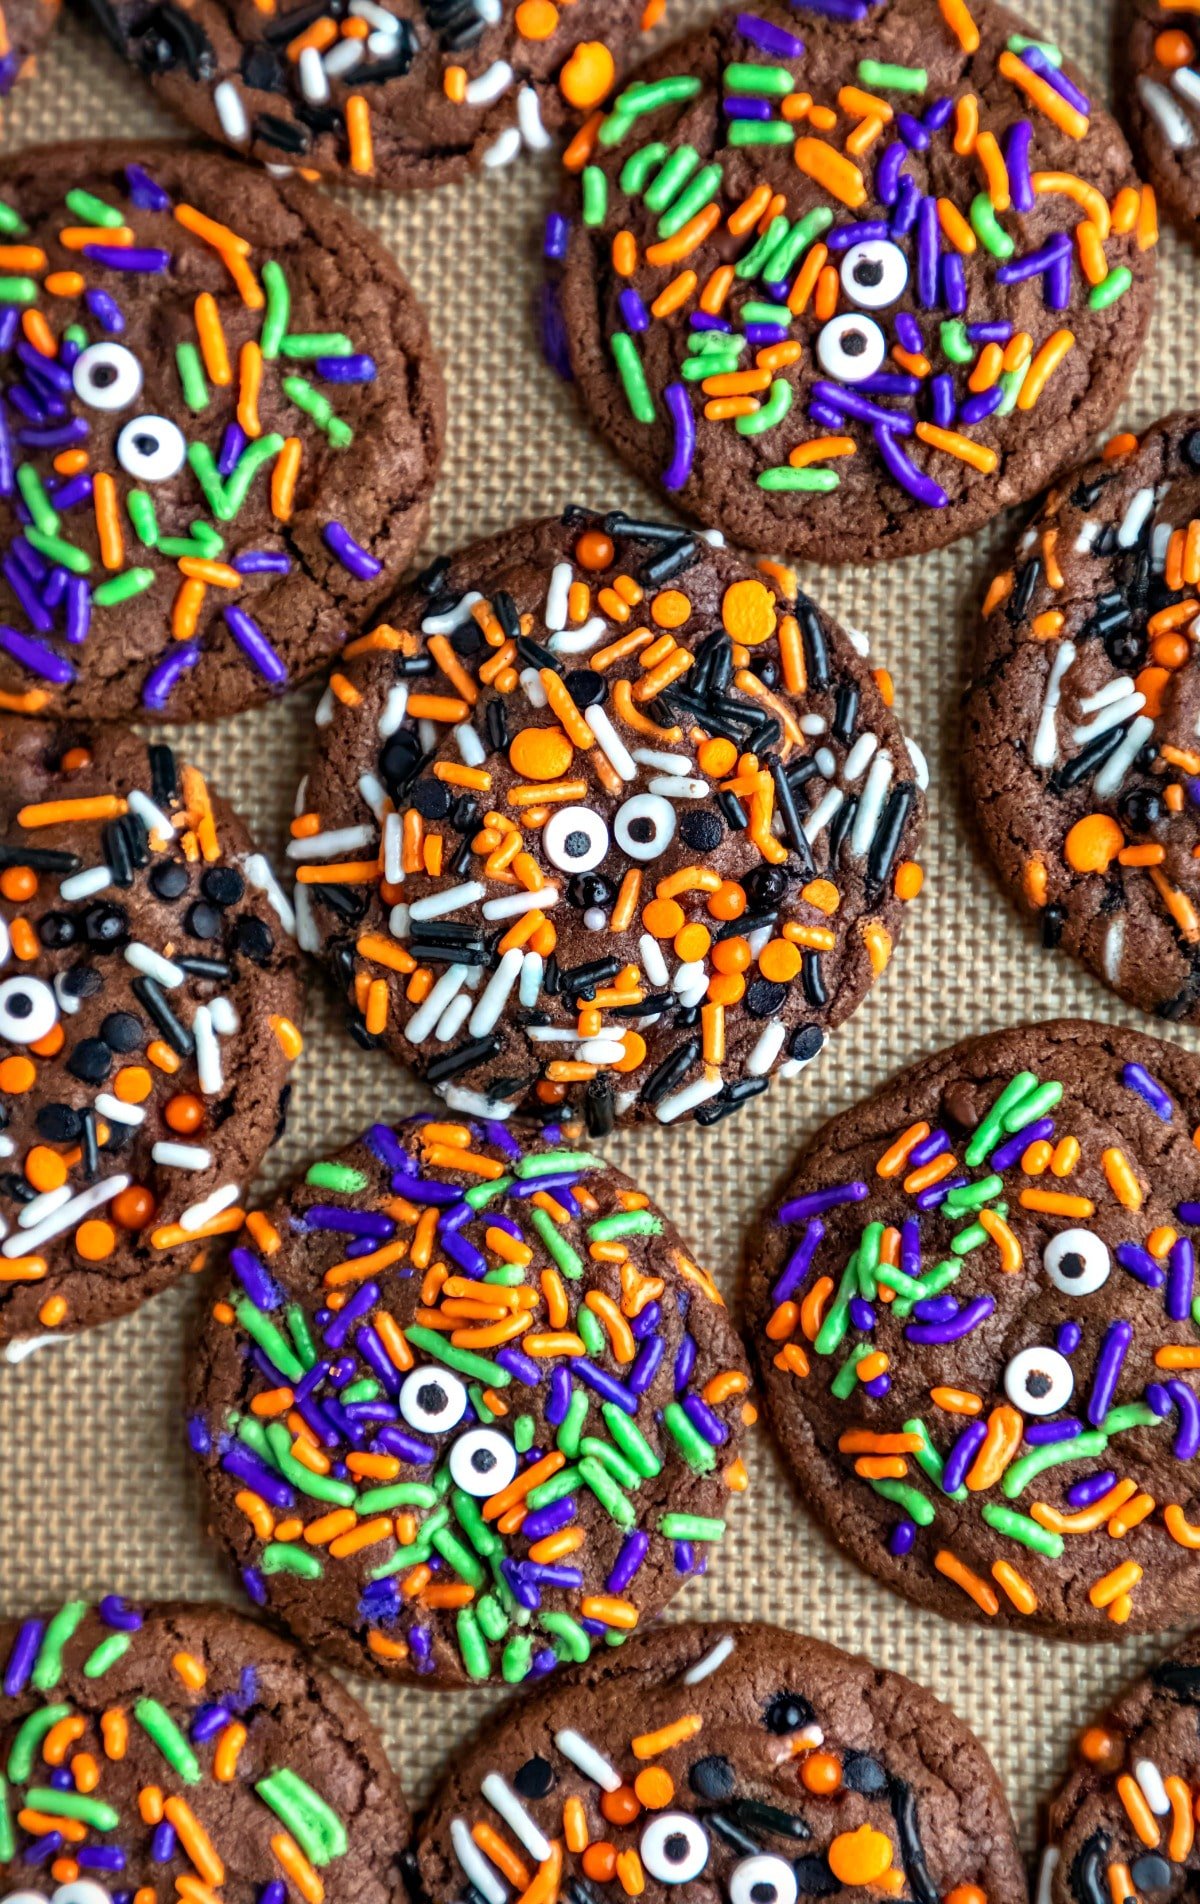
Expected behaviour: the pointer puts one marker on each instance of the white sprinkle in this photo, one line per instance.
(760, 939)
(688, 1099)
(1114, 950)
(382, 45)
(686, 974)
(375, 15)
(812, 724)
(529, 118)
(503, 150)
(1115, 690)
(343, 58)
(490, 11)
(339, 841)
(535, 693)
(920, 764)
(1135, 519)
(437, 905)
(860, 642)
(430, 1010)
(182, 1156)
(38, 1208)
(578, 640)
(859, 758)
(393, 849)
(558, 596)
(1186, 80)
(551, 1035)
(393, 708)
(515, 904)
(398, 922)
(64, 1218)
(595, 919)
(601, 1051)
(489, 86)
(474, 1866)
(453, 618)
(826, 761)
(374, 793)
(586, 1759)
(666, 763)
(429, 734)
(23, 1346)
(474, 1103)
(314, 80)
(610, 743)
(1051, 1858)
(198, 1214)
(1154, 1791)
(143, 959)
(85, 885)
(151, 816)
(768, 1048)
(258, 871)
(454, 1017)
(653, 963)
(822, 814)
(1044, 752)
(208, 1052)
(224, 1018)
(308, 934)
(117, 1112)
(504, 1800)
(870, 806)
(326, 708)
(1167, 114)
(532, 967)
(1160, 542)
(676, 787)
(1087, 535)
(495, 993)
(1110, 716)
(711, 1662)
(470, 747)
(231, 112)
(1115, 768)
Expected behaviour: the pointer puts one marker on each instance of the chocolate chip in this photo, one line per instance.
(764, 997)
(203, 921)
(535, 1779)
(224, 885)
(713, 1777)
(169, 880)
(122, 1031)
(91, 1060)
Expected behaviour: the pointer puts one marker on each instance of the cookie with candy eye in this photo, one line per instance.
(149, 999)
(606, 818)
(1080, 740)
(1163, 73)
(976, 1314)
(180, 1751)
(467, 1409)
(222, 422)
(846, 284)
(398, 93)
(725, 1765)
(1124, 1822)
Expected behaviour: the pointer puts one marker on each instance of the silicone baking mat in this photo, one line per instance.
(96, 1491)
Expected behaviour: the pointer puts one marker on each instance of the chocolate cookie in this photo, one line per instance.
(724, 1765)
(977, 1321)
(821, 279)
(184, 1753)
(606, 818)
(1080, 744)
(219, 437)
(415, 92)
(149, 994)
(1124, 1823)
(25, 26)
(1164, 98)
(465, 1409)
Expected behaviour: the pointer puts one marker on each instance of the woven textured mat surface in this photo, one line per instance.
(96, 1491)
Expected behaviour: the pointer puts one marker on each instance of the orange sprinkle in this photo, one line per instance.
(976, 1589)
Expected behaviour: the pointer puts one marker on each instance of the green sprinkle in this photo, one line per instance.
(612, 1460)
(90, 210)
(89, 1811)
(18, 291)
(1011, 383)
(364, 1391)
(868, 1260)
(8, 1843)
(472, 1645)
(556, 1488)
(459, 1556)
(915, 1504)
(301, 1335)
(1018, 43)
(56, 550)
(957, 346)
(756, 311)
(993, 1122)
(591, 1332)
(691, 1527)
(493, 1620)
(758, 82)
(631, 1441)
(759, 132)
(550, 1163)
(633, 377)
(1114, 286)
(595, 196)
(881, 75)
(241, 476)
(646, 96)
(141, 514)
(574, 1643)
(778, 403)
(572, 1424)
(481, 1194)
(470, 1518)
(1118, 1421)
(516, 1659)
(600, 1483)
(279, 304)
(524, 1433)
(754, 263)
(314, 1825)
(693, 200)
(972, 1238)
(48, 1667)
(38, 503)
(696, 1451)
(475, 1391)
(11, 221)
(304, 346)
(988, 228)
(315, 405)
(802, 235)
(625, 1223)
(271, 1340)
(638, 167)
(1027, 1469)
(123, 587)
(1034, 1105)
(709, 363)
(29, 1736)
(75, 334)
(159, 1727)
(833, 1328)
(565, 1257)
(319, 1487)
(254, 1435)
(971, 1196)
(673, 177)
(1020, 1527)
(340, 1177)
(209, 541)
(815, 481)
(418, 1551)
(846, 1379)
(896, 1279)
(107, 1654)
(463, 1360)
(382, 1500)
(927, 1457)
(286, 1557)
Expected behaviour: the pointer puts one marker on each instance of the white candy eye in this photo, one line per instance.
(762, 1880)
(482, 1462)
(28, 1010)
(25, 1897)
(82, 1891)
(575, 839)
(151, 449)
(1077, 1262)
(106, 376)
(851, 348)
(1039, 1381)
(5, 942)
(644, 826)
(433, 1400)
(674, 1847)
(874, 273)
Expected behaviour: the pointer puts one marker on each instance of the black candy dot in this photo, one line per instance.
(806, 1042)
(1152, 1873)
(585, 687)
(713, 1777)
(81, 981)
(787, 1712)
(863, 1774)
(1189, 449)
(122, 1031)
(254, 938)
(814, 1877)
(535, 1779)
(432, 799)
(56, 929)
(169, 880)
(203, 921)
(59, 1124)
(224, 885)
(764, 997)
(106, 926)
(703, 832)
(91, 1060)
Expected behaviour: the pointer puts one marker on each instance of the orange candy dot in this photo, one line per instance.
(620, 1807)
(748, 612)
(670, 609)
(731, 955)
(663, 918)
(600, 1862)
(635, 1052)
(95, 1240)
(184, 1113)
(821, 1773)
(909, 879)
(727, 988)
(966, 1894)
(1102, 1748)
(1093, 843)
(45, 1169)
(594, 550)
(693, 942)
(18, 883)
(541, 753)
(52, 1312)
(17, 1075)
(134, 1207)
(1174, 49)
(536, 19)
(717, 757)
(728, 902)
(75, 759)
(588, 75)
(860, 1857)
(1152, 683)
(655, 1787)
(779, 961)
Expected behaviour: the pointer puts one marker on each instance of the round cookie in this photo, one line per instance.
(465, 1409)
(412, 93)
(1164, 99)
(1125, 1817)
(149, 994)
(219, 438)
(1080, 746)
(726, 1765)
(183, 1752)
(820, 279)
(27, 25)
(644, 820)
(1015, 1435)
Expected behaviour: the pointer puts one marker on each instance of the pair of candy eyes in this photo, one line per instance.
(674, 1850)
(576, 839)
(1041, 1381)
(482, 1461)
(82, 1891)
(874, 275)
(107, 376)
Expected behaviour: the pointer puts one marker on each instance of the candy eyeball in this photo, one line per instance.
(151, 449)
(644, 826)
(851, 348)
(433, 1400)
(575, 839)
(674, 1847)
(763, 1880)
(28, 1010)
(874, 274)
(82, 1891)
(482, 1462)
(106, 376)
(1077, 1262)
(1039, 1381)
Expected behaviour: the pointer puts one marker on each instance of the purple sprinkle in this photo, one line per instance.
(938, 115)
(734, 108)
(1188, 1212)
(842, 237)
(684, 1556)
(273, 1893)
(70, 494)
(263, 1292)
(35, 656)
(1057, 284)
(1136, 1078)
(816, 1202)
(255, 1585)
(830, 419)
(799, 1263)
(912, 132)
(705, 321)
(942, 407)
(633, 1552)
(998, 332)
(906, 473)
(145, 192)
(908, 331)
(548, 1520)
(410, 1448)
(327, 1216)
(114, 1612)
(605, 1384)
(1069, 1337)
(633, 310)
(1113, 1351)
(1158, 1399)
(1181, 1279)
(354, 368)
(376, 1356)
(935, 1308)
(241, 1462)
(232, 444)
(954, 284)
(61, 437)
(685, 1362)
(978, 408)
(889, 383)
(199, 1439)
(105, 310)
(552, 333)
(901, 1539)
(1013, 1148)
(962, 1456)
(679, 408)
(55, 589)
(878, 1388)
(768, 37)
(360, 1304)
(1187, 1441)
(129, 257)
(647, 1365)
(758, 334)
(351, 554)
(929, 1148)
(1034, 263)
(162, 679)
(521, 1367)
(887, 173)
(1054, 76)
(1016, 158)
(862, 1316)
(849, 403)
(101, 1858)
(1141, 1264)
(254, 644)
(705, 1421)
(969, 1318)
(262, 562)
(25, 1650)
(558, 230)
(208, 1722)
(14, 567)
(910, 1246)
(646, 1322)
(1084, 1493)
(928, 252)
(1040, 1434)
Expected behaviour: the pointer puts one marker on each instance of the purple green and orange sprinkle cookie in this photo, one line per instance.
(1162, 73)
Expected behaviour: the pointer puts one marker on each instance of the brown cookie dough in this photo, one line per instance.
(409, 93)
(1164, 99)
(26, 25)
(223, 417)
(1080, 749)
(181, 1752)
(725, 1765)
(644, 820)
(1015, 1435)
(149, 996)
(466, 1409)
(1124, 1823)
(870, 218)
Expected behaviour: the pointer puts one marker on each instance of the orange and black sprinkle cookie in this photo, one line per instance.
(725, 1765)
(24, 26)
(1127, 1821)
(1081, 747)
(1163, 93)
(149, 998)
(397, 93)
(607, 819)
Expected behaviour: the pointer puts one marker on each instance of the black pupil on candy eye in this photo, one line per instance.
(432, 1398)
(577, 844)
(641, 829)
(1038, 1384)
(20, 1004)
(854, 343)
(483, 1460)
(103, 375)
(676, 1847)
(764, 1892)
(1071, 1265)
(145, 445)
(867, 271)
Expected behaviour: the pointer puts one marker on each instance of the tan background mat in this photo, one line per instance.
(96, 1489)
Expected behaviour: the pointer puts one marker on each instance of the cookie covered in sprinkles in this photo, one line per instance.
(725, 1765)
(848, 277)
(1125, 1822)
(149, 999)
(467, 1409)
(977, 1320)
(177, 1753)
(1081, 747)
(222, 421)
(408, 93)
(25, 26)
(606, 818)
(1163, 63)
